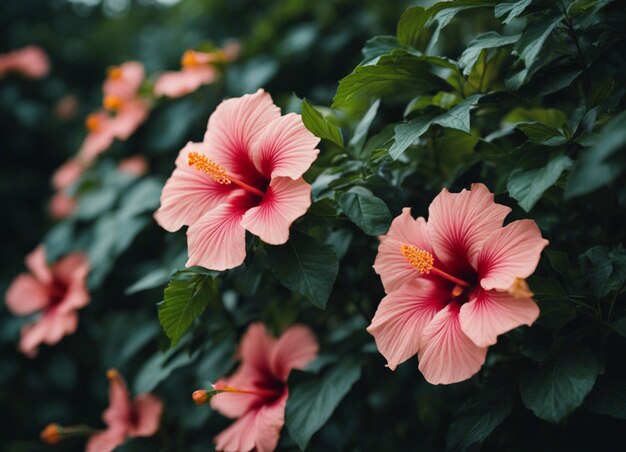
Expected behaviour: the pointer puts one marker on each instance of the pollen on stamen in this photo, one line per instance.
(93, 122)
(112, 103)
(189, 59)
(208, 166)
(115, 73)
(420, 260)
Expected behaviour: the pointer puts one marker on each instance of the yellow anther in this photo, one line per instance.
(420, 260)
(208, 166)
(93, 122)
(112, 103)
(115, 73)
(189, 59)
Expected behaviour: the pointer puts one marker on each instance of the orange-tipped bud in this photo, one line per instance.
(189, 59)
(93, 122)
(115, 73)
(420, 260)
(112, 103)
(51, 434)
(208, 166)
(113, 374)
(200, 396)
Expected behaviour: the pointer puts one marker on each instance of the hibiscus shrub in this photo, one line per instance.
(283, 243)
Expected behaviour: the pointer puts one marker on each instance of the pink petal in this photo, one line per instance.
(509, 253)
(493, 313)
(217, 241)
(446, 354)
(26, 295)
(30, 61)
(118, 414)
(177, 84)
(240, 436)
(234, 127)
(269, 422)
(295, 349)
(285, 201)
(105, 441)
(148, 410)
(255, 348)
(390, 264)
(235, 405)
(127, 86)
(459, 223)
(73, 267)
(129, 118)
(62, 205)
(402, 316)
(38, 265)
(49, 329)
(188, 193)
(96, 143)
(67, 174)
(136, 165)
(285, 148)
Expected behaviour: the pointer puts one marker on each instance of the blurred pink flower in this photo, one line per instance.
(245, 175)
(30, 61)
(125, 418)
(55, 292)
(62, 205)
(256, 394)
(454, 283)
(67, 174)
(66, 107)
(101, 134)
(198, 68)
(123, 81)
(136, 165)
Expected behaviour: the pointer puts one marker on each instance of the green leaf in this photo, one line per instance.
(398, 76)
(367, 211)
(489, 40)
(527, 187)
(604, 269)
(306, 266)
(185, 298)
(159, 367)
(320, 126)
(360, 133)
(142, 197)
(312, 399)
(513, 9)
(602, 163)
(479, 416)
(457, 118)
(559, 386)
(377, 47)
(608, 397)
(619, 326)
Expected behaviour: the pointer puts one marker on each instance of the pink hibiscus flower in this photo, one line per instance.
(30, 61)
(198, 68)
(245, 175)
(62, 205)
(125, 418)
(256, 394)
(55, 292)
(454, 283)
(136, 165)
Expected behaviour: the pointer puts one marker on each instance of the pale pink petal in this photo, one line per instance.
(118, 414)
(459, 223)
(26, 295)
(37, 264)
(30, 61)
(285, 148)
(76, 297)
(446, 354)
(105, 441)
(62, 205)
(234, 127)
(49, 328)
(125, 87)
(147, 409)
(493, 313)
(188, 80)
(390, 264)
(96, 143)
(235, 405)
(216, 240)
(285, 201)
(70, 268)
(269, 422)
(255, 348)
(240, 436)
(188, 193)
(295, 349)
(67, 174)
(136, 165)
(402, 316)
(132, 114)
(509, 253)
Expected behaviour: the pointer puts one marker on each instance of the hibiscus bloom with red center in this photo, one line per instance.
(245, 176)
(55, 293)
(256, 394)
(454, 283)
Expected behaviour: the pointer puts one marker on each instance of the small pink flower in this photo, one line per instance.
(62, 205)
(55, 292)
(125, 418)
(101, 134)
(198, 68)
(136, 165)
(256, 394)
(30, 61)
(245, 175)
(123, 81)
(454, 283)
(67, 174)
